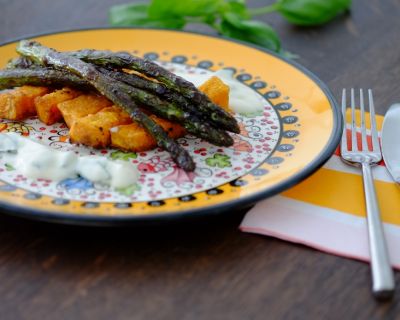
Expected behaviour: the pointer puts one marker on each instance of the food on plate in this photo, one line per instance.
(82, 106)
(171, 109)
(242, 99)
(138, 99)
(217, 91)
(118, 92)
(36, 76)
(47, 105)
(35, 160)
(20, 104)
(170, 80)
(94, 129)
(133, 137)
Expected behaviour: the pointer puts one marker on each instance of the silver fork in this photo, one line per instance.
(382, 274)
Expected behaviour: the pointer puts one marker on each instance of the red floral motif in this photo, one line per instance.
(178, 176)
(154, 165)
(241, 145)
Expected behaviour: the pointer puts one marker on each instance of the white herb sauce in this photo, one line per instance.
(35, 160)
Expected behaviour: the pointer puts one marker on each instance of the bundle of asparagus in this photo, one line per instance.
(160, 91)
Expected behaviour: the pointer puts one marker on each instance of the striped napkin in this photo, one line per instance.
(327, 211)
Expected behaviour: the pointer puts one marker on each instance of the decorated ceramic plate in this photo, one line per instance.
(296, 131)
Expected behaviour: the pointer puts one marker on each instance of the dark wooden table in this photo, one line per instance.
(203, 269)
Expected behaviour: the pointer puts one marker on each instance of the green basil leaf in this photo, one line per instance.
(238, 7)
(209, 19)
(255, 32)
(179, 8)
(136, 14)
(311, 12)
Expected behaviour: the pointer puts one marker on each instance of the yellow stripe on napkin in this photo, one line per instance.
(344, 192)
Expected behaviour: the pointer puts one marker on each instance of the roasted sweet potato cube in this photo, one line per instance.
(133, 137)
(18, 104)
(46, 106)
(217, 91)
(31, 93)
(82, 106)
(94, 129)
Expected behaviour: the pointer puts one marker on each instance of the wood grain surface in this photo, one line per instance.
(202, 269)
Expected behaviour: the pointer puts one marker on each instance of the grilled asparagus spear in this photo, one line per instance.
(157, 88)
(171, 81)
(171, 110)
(20, 62)
(139, 82)
(116, 91)
(40, 77)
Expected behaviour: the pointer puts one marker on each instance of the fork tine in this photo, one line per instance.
(364, 143)
(354, 145)
(374, 132)
(343, 145)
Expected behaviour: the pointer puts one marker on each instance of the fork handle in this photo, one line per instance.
(382, 274)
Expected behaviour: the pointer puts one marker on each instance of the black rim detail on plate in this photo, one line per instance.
(97, 220)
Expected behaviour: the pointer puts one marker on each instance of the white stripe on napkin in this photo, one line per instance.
(322, 228)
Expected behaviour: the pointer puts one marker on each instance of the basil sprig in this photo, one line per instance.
(231, 18)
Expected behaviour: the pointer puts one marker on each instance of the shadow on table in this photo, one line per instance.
(42, 240)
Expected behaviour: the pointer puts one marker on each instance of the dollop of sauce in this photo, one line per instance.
(242, 99)
(35, 160)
